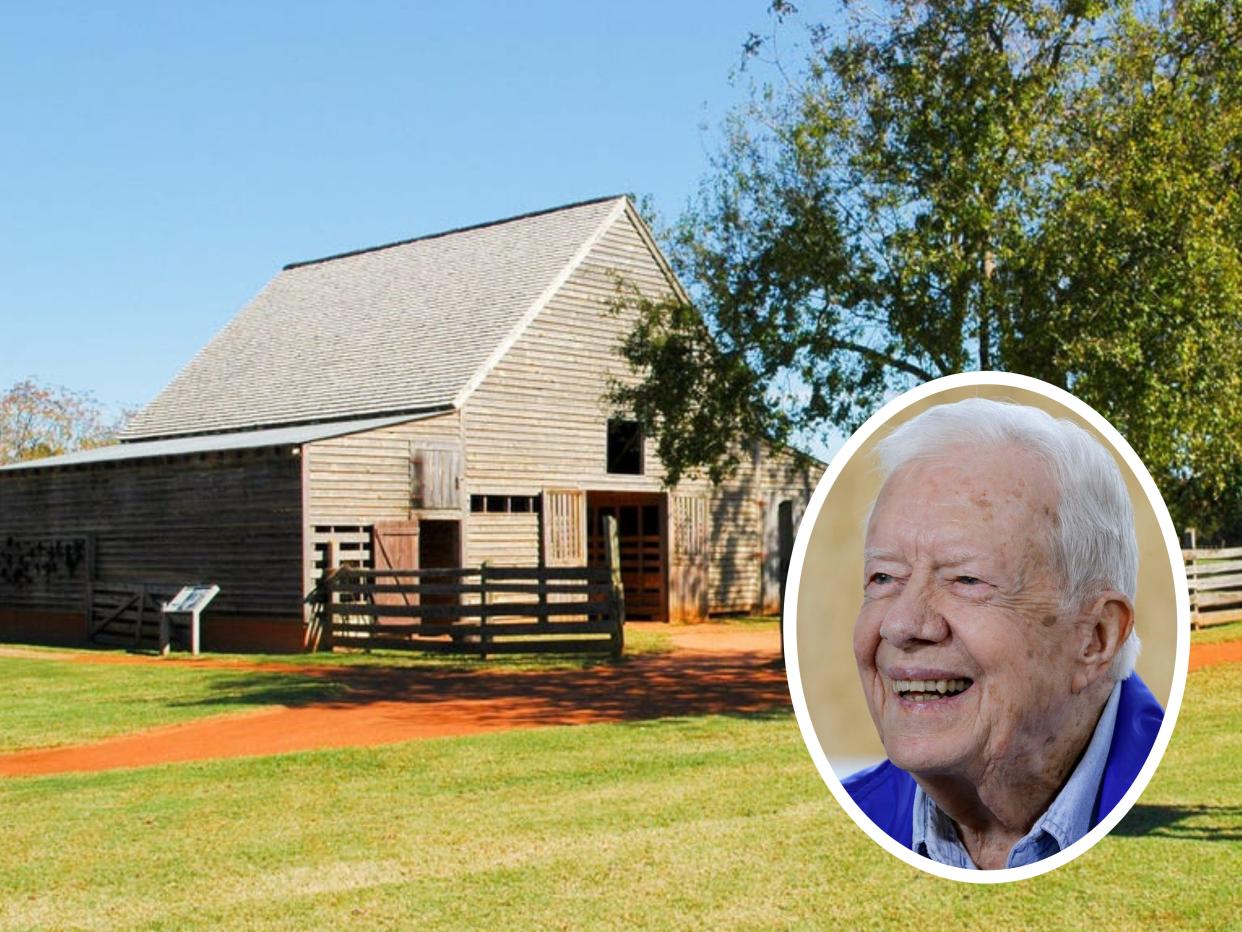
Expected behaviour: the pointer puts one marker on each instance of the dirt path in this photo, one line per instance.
(1209, 655)
(387, 705)
(714, 669)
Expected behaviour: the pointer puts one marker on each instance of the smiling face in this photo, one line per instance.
(966, 658)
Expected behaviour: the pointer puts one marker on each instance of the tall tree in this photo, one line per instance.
(38, 420)
(1044, 187)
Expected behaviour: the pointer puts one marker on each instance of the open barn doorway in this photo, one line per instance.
(439, 545)
(642, 523)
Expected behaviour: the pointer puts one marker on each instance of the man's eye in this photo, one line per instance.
(881, 579)
(968, 580)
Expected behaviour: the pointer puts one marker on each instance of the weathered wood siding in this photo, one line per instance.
(231, 518)
(539, 421)
(744, 574)
(503, 539)
(363, 478)
(735, 558)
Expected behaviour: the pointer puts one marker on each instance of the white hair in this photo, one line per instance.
(1093, 544)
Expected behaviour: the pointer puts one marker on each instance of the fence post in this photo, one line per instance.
(165, 631)
(327, 585)
(612, 555)
(544, 620)
(485, 598)
(327, 593)
(1189, 561)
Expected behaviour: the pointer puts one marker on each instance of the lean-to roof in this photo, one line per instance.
(212, 443)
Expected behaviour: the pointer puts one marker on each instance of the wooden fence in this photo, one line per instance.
(475, 610)
(1215, 578)
(126, 614)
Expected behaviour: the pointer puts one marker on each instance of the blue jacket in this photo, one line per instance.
(886, 793)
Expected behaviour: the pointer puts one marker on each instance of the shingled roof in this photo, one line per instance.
(408, 327)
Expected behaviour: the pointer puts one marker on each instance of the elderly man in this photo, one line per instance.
(996, 641)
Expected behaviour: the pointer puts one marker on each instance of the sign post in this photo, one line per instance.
(191, 600)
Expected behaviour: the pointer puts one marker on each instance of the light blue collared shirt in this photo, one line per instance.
(1062, 824)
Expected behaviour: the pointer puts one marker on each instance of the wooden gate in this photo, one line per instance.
(394, 545)
(564, 527)
(688, 553)
(127, 614)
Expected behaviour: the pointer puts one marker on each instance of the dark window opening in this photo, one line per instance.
(506, 504)
(625, 448)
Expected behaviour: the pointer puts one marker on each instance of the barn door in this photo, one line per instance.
(564, 527)
(688, 556)
(435, 477)
(394, 546)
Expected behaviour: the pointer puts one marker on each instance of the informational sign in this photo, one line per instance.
(192, 599)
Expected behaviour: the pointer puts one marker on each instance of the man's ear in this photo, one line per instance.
(1105, 627)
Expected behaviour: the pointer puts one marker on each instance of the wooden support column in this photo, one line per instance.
(484, 599)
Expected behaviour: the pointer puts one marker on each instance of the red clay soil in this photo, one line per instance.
(387, 705)
(1209, 655)
(715, 669)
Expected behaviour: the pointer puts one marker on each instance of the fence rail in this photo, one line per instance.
(475, 610)
(1215, 579)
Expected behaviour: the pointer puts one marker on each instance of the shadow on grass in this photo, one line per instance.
(634, 690)
(1191, 823)
(259, 689)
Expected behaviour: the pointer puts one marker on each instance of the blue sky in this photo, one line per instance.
(160, 162)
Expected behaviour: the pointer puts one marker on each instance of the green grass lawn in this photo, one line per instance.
(717, 822)
(1217, 633)
(51, 702)
(638, 642)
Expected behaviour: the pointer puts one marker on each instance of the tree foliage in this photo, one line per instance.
(1043, 187)
(38, 420)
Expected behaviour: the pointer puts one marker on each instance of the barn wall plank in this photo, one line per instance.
(232, 518)
(503, 539)
(363, 478)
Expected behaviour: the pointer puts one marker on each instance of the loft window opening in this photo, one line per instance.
(625, 447)
(505, 504)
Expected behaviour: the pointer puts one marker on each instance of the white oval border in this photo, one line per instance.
(790, 623)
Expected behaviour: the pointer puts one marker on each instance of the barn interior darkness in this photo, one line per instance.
(641, 530)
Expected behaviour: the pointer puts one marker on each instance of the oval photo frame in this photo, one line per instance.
(826, 566)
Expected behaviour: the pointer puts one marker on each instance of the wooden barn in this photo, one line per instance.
(433, 402)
